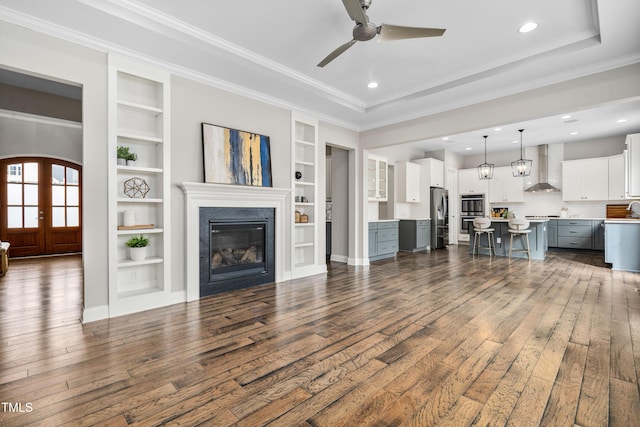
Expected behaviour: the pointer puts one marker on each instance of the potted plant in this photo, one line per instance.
(131, 159)
(123, 154)
(138, 247)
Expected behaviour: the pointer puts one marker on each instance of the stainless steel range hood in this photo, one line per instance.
(543, 172)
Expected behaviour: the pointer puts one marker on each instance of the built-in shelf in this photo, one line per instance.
(139, 118)
(308, 256)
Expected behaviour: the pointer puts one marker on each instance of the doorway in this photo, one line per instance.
(41, 200)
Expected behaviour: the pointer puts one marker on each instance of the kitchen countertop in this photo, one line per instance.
(622, 221)
(506, 220)
(383, 220)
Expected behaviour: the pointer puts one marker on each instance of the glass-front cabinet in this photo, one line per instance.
(377, 174)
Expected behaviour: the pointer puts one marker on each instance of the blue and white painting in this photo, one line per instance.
(236, 157)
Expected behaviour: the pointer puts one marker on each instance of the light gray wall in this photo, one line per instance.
(193, 103)
(591, 148)
(35, 53)
(29, 138)
(340, 202)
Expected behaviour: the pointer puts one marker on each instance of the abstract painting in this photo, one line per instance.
(236, 157)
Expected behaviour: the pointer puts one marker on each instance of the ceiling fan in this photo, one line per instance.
(365, 30)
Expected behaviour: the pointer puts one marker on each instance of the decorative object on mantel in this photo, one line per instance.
(136, 188)
(298, 175)
(485, 170)
(521, 167)
(236, 157)
(297, 219)
(304, 218)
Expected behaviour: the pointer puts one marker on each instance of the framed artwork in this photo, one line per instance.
(237, 157)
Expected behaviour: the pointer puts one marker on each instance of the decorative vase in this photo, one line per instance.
(138, 254)
(131, 162)
(129, 217)
(122, 162)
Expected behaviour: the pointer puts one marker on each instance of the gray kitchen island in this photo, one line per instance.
(538, 242)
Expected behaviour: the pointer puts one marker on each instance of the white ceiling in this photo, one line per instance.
(269, 50)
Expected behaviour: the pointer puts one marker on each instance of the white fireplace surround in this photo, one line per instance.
(219, 195)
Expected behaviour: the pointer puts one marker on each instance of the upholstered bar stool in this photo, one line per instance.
(482, 226)
(519, 227)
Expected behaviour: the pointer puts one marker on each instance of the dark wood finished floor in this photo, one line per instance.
(438, 338)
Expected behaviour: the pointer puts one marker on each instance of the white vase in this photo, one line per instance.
(131, 162)
(122, 162)
(129, 217)
(138, 254)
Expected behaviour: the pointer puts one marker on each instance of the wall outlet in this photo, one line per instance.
(498, 239)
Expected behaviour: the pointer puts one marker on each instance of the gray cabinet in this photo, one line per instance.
(383, 240)
(622, 241)
(552, 233)
(415, 235)
(598, 235)
(575, 234)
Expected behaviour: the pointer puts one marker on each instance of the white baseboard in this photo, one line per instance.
(358, 261)
(93, 314)
(340, 258)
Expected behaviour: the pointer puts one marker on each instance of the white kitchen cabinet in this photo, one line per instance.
(504, 187)
(616, 177)
(377, 174)
(586, 179)
(408, 180)
(632, 166)
(470, 183)
(432, 172)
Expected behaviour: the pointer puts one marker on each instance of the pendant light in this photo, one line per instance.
(521, 167)
(485, 170)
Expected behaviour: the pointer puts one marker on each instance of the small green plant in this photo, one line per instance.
(123, 152)
(138, 242)
(132, 157)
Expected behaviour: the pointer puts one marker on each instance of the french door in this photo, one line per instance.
(40, 200)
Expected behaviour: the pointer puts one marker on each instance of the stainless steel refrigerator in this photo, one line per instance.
(439, 218)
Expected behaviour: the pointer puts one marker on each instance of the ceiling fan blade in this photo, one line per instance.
(355, 11)
(333, 55)
(397, 32)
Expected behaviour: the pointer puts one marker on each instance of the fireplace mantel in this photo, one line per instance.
(219, 195)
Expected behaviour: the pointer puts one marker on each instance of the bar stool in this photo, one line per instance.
(481, 226)
(519, 227)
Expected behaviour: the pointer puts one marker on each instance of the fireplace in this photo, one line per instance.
(237, 248)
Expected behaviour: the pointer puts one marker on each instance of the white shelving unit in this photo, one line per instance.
(139, 118)
(308, 257)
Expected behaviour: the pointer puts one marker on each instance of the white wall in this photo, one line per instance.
(27, 51)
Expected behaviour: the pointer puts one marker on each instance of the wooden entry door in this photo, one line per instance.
(40, 199)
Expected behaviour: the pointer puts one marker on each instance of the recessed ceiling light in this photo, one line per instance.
(497, 129)
(468, 148)
(621, 120)
(515, 141)
(372, 85)
(566, 116)
(528, 27)
(446, 138)
(573, 133)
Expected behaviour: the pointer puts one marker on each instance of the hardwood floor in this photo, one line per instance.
(438, 338)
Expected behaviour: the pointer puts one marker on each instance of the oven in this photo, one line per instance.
(471, 206)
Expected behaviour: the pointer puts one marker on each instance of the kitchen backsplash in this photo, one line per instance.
(552, 204)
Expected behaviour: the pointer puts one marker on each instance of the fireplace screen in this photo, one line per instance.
(237, 249)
